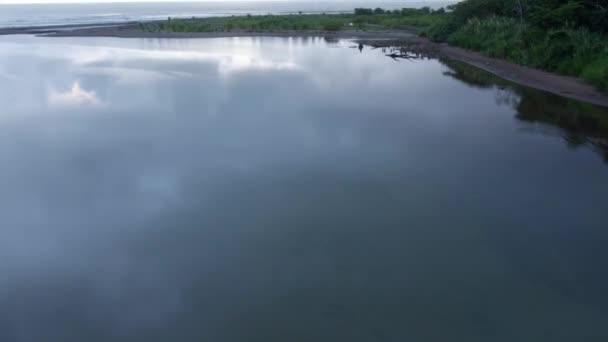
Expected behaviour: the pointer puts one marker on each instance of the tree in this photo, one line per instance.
(363, 11)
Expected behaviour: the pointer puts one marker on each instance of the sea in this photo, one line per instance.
(22, 15)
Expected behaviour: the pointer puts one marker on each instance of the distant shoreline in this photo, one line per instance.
(565, 86)
(53, 29)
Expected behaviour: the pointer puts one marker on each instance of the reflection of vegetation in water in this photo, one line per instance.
(579, 124)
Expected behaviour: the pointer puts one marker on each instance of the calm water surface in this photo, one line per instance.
(267, 189)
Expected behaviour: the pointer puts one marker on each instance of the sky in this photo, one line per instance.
(98, 1)
(109, 1)
(93, 1)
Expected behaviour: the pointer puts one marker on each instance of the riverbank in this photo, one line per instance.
(564, 37)
(566, 86)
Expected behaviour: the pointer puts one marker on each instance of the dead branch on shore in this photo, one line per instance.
(407, 49)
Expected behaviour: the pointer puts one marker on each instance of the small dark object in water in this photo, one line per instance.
(360, 47)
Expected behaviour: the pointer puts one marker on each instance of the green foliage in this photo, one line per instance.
(333, 25)
(184, 26)
(555, 15)
(409, 21)
(363, 11)
(576, 52)
(596, 73)
(565, 36)
(376, 19)
(592, 14)
(496, 37)
(254, 23)
(441, 30)
(468, 9)
(598, 18)
(425, 10)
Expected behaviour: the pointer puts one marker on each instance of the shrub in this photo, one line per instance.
(465, 10)
(555, 15)
(333, 25)
(363, 11)
(442, 29)
(576, 52)
(596, 73)
(566, 36)
(496, 37)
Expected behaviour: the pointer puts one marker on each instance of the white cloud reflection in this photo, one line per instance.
(226, 63)
(75, 96)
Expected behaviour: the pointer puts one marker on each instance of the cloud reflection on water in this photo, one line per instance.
(241, 189)
(76, 96)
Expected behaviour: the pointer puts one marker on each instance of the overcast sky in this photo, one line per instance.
(90, 1)
(84, 1)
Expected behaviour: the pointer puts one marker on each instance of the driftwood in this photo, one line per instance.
(397, 56)
(408, 49)
(405, 52)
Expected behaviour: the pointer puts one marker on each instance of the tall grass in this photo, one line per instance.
(252, 23)
(569, 51)
(400, 21)
(378, 19)
(495, 37)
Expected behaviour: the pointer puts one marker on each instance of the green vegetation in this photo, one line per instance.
(362, 18)
(260, 23)
(565, 36)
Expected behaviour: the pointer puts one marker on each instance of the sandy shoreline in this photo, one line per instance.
(557, 84)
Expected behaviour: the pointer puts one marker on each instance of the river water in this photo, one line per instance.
(292, 189)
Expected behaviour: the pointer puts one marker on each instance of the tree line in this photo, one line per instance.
(547, 14)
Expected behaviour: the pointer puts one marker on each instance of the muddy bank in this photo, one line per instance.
(557, 84)
(566, 86)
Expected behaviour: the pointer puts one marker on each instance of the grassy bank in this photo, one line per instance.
(363, 19)
(566, 39)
